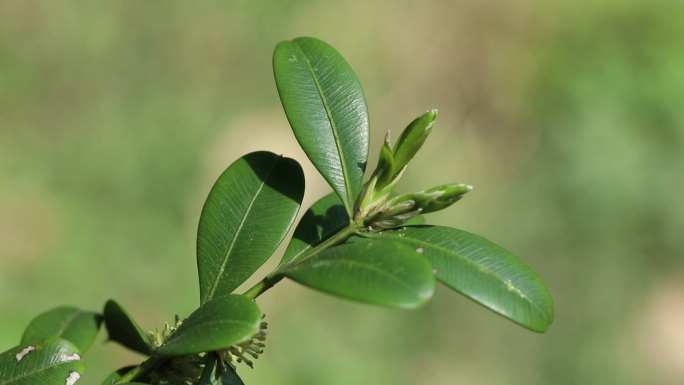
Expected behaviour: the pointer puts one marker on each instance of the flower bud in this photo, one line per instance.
(412, 139)
(441, 197)
(404, 207)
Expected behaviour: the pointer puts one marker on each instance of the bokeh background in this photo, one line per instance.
(567, 117)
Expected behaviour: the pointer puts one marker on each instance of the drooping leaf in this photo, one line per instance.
(322, 220)
(74, 325)
(123, 329)
(482, 271)
(52, 361)
(368, 270)
(217, 373)
(247, 214)
(217, 324)
(326, 107)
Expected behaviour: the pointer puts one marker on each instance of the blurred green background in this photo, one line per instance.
(567, 117)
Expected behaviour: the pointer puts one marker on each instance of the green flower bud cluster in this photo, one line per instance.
(376, 208)
(400, 209)
(392, 162)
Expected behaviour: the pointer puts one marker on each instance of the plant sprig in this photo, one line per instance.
(362, 242)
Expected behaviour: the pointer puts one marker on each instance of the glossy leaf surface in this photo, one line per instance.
(123, 329)
(74, 325)
(368, 270)
(326, 107)
(322, 220)
(217, 373)
(247, 214)
(217, 324)
(482, 271)
(50, 362)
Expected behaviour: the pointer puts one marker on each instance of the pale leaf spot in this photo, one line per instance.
(72, 378)
(24, 352)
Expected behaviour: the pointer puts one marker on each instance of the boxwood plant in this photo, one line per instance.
(363, 242)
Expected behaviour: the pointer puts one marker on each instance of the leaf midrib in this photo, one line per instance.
(475, 265)
(333, 126)
(330, 262)
(214, 286)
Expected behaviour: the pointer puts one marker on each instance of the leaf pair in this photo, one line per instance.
(465, 262)
(51, 348)
(255, 201)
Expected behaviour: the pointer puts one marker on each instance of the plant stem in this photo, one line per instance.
(262, 286)
(270, 280)
(140, 370)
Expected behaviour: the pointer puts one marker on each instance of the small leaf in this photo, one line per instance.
(123, 329)
(74, 325)
(385, 168)
(368, 270)
(325, 105)
(217, 324)
(52, 361)
(482, 271)
(217, 373)
(248, 212)
(322, 220)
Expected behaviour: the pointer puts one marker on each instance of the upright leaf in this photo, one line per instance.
(52, 361)
(322, 220)
(482, 271)
(123, 329)
(247, 214)
(74, 325)
(326, 108)
(217, 324)
(368, 270)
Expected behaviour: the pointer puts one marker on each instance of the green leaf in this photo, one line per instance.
(322, 220)
(482, 271)
(326, 108)
(74, 325)
(52, 361)
(368, 270)
(123, 329)
(113, 377)
(217, 324)
(217, 373)
(247, 214)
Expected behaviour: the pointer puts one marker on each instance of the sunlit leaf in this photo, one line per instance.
(482, 271)
(217, 324)
(368, 270)
(74, 325)
(247, 214)
(50, 362)
(325, 105)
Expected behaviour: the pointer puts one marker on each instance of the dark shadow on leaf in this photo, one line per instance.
(313, 229)
(281, 174)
